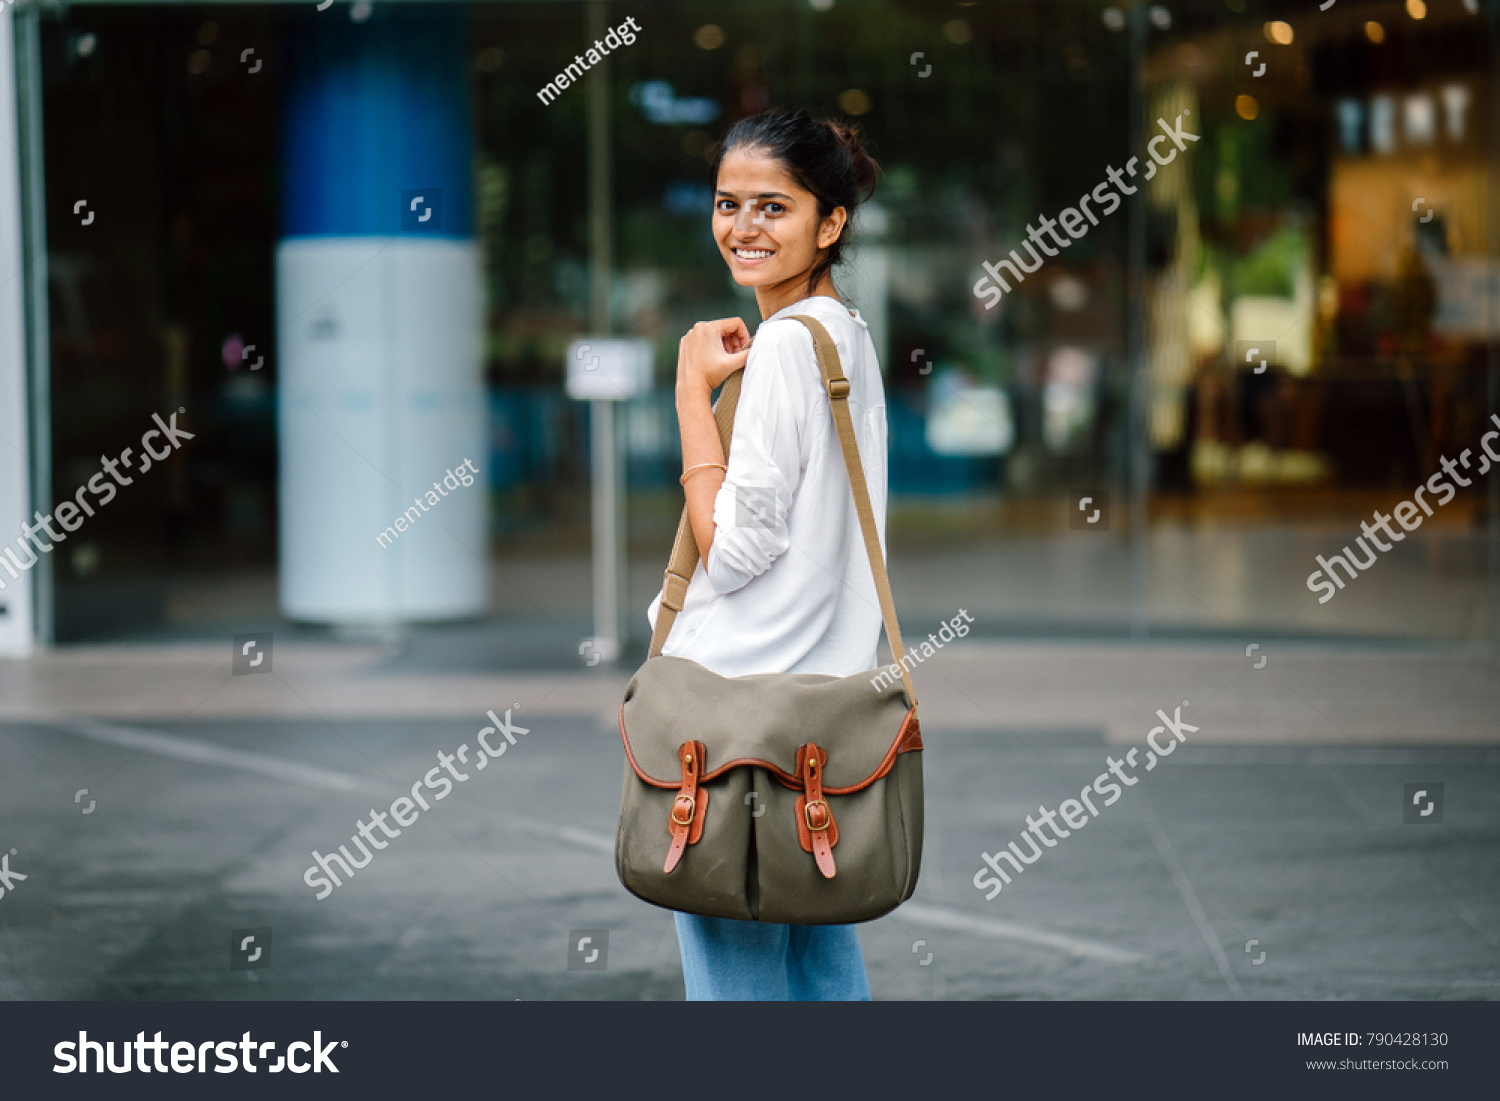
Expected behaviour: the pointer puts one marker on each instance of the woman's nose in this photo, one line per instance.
(748, 221)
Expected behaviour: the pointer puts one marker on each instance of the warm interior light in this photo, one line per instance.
(957, 31)
(1416, 9)
(1374, 32)
(1246, 106)
(1279, 33)
(854, 102)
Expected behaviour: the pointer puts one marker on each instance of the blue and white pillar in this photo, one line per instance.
(379, 323)
(17, 620)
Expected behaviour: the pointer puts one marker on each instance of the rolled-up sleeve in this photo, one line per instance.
(765, 458)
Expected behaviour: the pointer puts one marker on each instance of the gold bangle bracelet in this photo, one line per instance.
(697, 467)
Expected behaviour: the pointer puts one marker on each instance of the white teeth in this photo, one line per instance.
(752, 254)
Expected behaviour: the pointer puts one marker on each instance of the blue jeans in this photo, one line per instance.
(751, 961)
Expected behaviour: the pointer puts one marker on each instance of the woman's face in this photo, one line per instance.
(767, 226)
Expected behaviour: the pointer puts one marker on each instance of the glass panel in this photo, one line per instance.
(1311, 281)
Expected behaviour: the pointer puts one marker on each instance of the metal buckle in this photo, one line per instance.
(838, 388)
(807, 814)
(692, 810)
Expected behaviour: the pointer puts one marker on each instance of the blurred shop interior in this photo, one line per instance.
(1286, 329)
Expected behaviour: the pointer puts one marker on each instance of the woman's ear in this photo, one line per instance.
(832, 226)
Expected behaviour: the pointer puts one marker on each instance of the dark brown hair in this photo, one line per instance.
(825, 157)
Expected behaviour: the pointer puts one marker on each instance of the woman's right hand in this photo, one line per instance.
(710, 352)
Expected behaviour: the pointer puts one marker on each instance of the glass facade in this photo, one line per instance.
(1262, 314)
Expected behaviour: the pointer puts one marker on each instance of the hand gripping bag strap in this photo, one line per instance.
(685, 548)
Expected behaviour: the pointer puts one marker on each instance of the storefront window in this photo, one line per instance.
(1152, 422)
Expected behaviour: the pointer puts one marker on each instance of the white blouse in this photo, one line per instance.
(788, 588)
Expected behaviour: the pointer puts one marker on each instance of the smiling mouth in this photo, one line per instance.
(752, 253)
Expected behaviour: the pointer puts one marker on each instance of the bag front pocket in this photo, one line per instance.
(712, 876)
(873, 861)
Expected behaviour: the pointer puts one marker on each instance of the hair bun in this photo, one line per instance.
(866, 171)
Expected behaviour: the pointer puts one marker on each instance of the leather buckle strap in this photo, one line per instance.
(817, 832)
(685, 820)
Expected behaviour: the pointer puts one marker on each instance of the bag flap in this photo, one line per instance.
(760, 719)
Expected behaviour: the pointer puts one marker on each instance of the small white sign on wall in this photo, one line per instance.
(608, 368)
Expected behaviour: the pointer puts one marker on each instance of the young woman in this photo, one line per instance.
(784, 584)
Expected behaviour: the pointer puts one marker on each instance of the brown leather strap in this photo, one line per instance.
(817, 832)
(685, 819)
(684, 558)
(908, 740)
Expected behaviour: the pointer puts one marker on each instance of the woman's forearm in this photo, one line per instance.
(707, 355)
(700, 444)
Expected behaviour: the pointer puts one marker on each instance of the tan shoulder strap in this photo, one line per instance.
(685, 556)
(684, 559)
